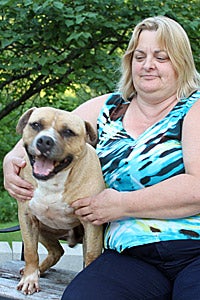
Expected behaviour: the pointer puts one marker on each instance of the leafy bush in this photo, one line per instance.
(8, 208)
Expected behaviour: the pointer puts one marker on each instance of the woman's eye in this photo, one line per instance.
(139, 58)
(162, 58)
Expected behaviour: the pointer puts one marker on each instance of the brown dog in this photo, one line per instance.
(63, 168)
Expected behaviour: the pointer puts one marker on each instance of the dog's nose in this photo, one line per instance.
(45, 143)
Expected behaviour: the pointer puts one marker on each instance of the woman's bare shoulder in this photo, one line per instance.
(90, 109)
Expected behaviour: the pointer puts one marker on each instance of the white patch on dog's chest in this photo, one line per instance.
(49, 206)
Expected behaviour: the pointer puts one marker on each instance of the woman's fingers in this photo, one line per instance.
(17, 187)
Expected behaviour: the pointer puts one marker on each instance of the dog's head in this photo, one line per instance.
(54, 139)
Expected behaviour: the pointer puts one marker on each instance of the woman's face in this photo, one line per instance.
(152, 70)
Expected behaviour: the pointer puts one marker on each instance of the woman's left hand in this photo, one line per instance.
(101, 208)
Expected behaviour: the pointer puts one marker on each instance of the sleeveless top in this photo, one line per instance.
(130, 164)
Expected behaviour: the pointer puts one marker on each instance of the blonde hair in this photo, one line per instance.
(177, 45)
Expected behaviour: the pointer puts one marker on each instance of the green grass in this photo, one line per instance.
(11, 236)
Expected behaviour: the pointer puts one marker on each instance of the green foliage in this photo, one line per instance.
(8, 208)
(61, 53)
(46, 43)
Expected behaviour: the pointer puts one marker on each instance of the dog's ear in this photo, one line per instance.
(91, 134)
(24, 120)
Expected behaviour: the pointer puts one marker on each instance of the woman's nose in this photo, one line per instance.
(149, 63)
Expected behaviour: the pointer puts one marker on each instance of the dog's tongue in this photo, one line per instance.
(43, 166)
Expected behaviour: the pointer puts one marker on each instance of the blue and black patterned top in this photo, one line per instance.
(130, 164)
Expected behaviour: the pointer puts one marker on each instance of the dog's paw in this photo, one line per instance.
(29, 284)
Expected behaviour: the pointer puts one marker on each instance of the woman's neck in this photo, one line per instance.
(155, 108)
(142, 114)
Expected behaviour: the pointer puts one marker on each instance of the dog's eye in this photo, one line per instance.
(36, 126)
(67, 133)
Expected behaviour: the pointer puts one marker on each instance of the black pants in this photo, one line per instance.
(158, 271)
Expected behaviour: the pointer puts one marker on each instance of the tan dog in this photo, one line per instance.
(65, 168)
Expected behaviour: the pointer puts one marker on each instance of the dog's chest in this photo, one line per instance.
(49, 205)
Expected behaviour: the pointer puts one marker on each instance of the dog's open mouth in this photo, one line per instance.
(44, 168)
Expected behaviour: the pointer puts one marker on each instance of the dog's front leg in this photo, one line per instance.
(92, 242)
(29, 282)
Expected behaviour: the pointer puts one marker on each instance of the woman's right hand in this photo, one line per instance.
(17, 187)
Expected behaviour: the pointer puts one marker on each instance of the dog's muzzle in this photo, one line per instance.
(44, 166)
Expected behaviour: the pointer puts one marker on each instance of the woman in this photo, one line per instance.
(149, 156)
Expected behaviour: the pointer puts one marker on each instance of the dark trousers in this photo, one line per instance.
(158, 271)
